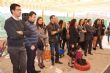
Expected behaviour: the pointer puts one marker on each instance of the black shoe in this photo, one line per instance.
(43, 65)
(40, 66)
(61, 56)
(70, 65)
(37, 71)
(85, 54)
(58, 62)
(68, 53)
(94, 48)
(90, 53)
(53, 64)
(101, 48)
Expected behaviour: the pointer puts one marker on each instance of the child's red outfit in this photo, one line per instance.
(79, 58)
(80, 63)
(79, 55)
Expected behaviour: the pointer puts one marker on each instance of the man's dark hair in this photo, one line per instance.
(13, 7)
(88, 20)
(31, 13)
(52, 16)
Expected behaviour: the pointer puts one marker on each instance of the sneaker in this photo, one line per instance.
(58, 62)
(40, 66)
(90, 53)
(53, 64)
(43, 65)
(37, 71)
(101, 48)
(94, 48)
(70, 65)
(85, 54)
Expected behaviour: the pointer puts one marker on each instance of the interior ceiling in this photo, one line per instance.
(63, 5)
(73, 6)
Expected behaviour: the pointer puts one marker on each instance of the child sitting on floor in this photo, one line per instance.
(76, 55)
(79, 57)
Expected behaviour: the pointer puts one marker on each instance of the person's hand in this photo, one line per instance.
(32, 47)
(77, 44)
(83, 30)
(47, 44)
(54, 32)
(72, 46)
(20, 32)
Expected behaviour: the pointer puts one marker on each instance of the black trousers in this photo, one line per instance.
(88, 46)
(31, 54)
(82, 45)
(63, 44)
(18, 59)
(68, 46)
(99, 41)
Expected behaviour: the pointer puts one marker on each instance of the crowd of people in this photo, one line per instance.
(26, 38)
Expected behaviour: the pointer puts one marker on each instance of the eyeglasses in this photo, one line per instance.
(18, 9)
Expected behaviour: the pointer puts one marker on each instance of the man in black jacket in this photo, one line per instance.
(53, 31)
(88, 37)
(15, 38)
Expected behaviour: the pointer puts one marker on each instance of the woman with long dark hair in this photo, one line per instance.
(85, 21)
(97, 32)
(68, 37)
(60, 35)
(73, 30)
(108, 32)
(41, 29)
(74, 39)
(64, 31)
(103, 28)
(100, 38)
(82, 31)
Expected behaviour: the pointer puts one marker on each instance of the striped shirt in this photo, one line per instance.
(33, 38)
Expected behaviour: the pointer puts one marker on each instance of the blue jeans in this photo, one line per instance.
(54, 52)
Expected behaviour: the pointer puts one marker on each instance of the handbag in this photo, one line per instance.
(47, 54)
(61, 51)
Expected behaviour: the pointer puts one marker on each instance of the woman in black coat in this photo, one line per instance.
(64, 31)
(97, 33)
(73, 31)
(102, 33)
(74, 39)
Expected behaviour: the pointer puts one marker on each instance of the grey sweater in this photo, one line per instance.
(11, 26)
